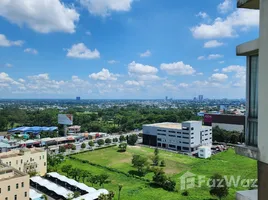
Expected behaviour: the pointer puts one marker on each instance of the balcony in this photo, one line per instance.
(250, 4)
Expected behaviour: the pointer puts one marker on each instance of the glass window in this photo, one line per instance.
(8, 188)
(22, 184)
(17, 186)
(25, 194)
(251, 135)
(15, 197)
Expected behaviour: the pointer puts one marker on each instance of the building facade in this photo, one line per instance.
(256, 136)
(226, 122)
(204, 152)
(186, 137)
(14, 184)
(26, 160)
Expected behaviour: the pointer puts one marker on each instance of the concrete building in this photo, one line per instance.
(204, 152)
(226, 122)
(14, 184)
(187, 136)
(256, 136)
(26, 160)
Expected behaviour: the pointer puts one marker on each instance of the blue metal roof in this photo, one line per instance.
(34, 129)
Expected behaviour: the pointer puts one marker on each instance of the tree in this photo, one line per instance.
(84, 174)
(115, 139)
(218, 186)
(120, 186)
(169, 185)
(103, 178)
(163, 164)
(93, 179)
(108, 196)
(156, 157)
(76, 194)
(62, 149)
(66, 169)
(122, 138)
(132, 139)
(83, 145)
(159, 176)
(100, 142)
(122, 147)
(108, 141)
(44, 197)
(73, 147)
(91, 143)
(140, 163)
(75, 174)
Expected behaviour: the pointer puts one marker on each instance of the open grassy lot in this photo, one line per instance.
(225, 163)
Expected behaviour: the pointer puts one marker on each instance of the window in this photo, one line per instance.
(15, 197)
(9, 163)
(0, 191)
(185, 137)
(172, 146)
(158, 139)
(192, 137)
(172, 135)
(8, 188)
(21, 161)
(17, 186)
(6, 198)
(43, 157)
(45, 163)
(40, 157)
(22, 184)
(171, 131)
(185, 142)
(25, 194)
(192, 128)
(252, 118)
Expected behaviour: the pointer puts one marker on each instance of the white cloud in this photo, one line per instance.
(113, 61)
(81, 51)
(184, 85)
(104, 75)
(146, 54)
(200, 73)
(214, 56)
(225, 6)
(222, 28)
(88, 33)
(31, 51)
(212, 44)
(4, 42)
(8, 65)
(178, 68)
(240, 74)
(218, 77)
(221, 62)
(201, 58)
(39, 77)
(105, 7)
(148, 77)
(6, 80)
(21, 80)
(137, 68)
(42, 16)
(203, 15)
(134, 83)
(216, 70)
(210, 57)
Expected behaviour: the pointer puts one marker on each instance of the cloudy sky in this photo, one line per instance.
(123, 49)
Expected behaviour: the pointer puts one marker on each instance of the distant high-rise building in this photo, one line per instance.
(200, 97)
(78, 98)
(166, 98)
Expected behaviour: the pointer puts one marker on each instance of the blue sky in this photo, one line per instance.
(123, 49)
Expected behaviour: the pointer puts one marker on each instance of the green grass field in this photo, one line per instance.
(225, 163)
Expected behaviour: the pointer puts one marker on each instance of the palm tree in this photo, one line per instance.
(120, 186)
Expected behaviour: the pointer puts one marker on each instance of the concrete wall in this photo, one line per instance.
(20, 192)
(263, 83)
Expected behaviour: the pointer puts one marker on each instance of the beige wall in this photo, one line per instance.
(23, 186)
(38, 160)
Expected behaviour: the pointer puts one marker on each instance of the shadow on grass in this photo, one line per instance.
(136, 173)
(121, 151)
(154, 185)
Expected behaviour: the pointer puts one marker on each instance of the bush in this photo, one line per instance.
(122, 147)
(185, 193)
(115, 139)
(83, 145)
(100, 142)
(122, 138)
(91, 143)
(108, 141)
(132, 139)
(73, 147)
(62, 149)
(162, 164)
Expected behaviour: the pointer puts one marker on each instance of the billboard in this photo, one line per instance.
(65, 119)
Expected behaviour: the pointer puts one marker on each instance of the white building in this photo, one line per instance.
(204, 152)
(186, 136)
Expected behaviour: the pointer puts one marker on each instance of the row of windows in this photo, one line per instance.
(15, 196)
(17, 187)
(21, 161)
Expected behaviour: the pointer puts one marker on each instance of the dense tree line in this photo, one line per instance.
(111, 120)
(221, 135)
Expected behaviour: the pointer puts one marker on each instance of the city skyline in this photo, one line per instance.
(127, 50)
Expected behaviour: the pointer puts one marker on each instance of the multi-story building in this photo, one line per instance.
(26, 160)
(186, 136)
(14, 184)
(256, 145)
